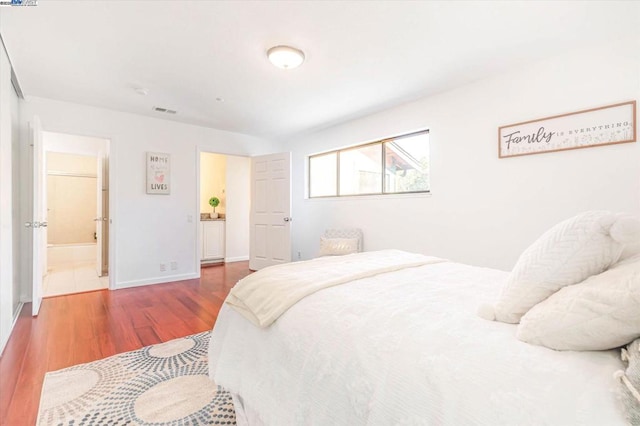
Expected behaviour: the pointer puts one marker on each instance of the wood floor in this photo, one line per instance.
(85, 327)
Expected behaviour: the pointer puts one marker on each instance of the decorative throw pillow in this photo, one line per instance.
(630, 382)
(338, 246)
(602, 312)
(568, 253)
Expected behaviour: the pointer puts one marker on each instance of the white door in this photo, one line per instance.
(99, 219)
(38, 223)
(270, 231)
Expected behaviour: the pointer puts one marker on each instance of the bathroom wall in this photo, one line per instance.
(213, 170)
(71, 198)
(238, 194)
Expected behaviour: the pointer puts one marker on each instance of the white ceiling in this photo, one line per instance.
(361, 57)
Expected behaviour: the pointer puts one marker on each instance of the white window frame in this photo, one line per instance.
(382, 165)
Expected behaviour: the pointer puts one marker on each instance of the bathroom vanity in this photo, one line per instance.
(212, 240)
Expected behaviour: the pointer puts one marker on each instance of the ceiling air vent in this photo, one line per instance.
(165, 110)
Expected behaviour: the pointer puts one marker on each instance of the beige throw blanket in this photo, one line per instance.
(265, 295)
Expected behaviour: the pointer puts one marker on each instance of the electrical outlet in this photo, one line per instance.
(163, 267)
(174, 265)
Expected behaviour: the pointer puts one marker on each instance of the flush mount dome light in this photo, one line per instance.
(285, 57)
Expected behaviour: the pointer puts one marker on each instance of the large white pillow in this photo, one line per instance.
(603, 312)
(568, 253)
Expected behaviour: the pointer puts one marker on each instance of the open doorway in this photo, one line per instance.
(223, 228)
(76, 194)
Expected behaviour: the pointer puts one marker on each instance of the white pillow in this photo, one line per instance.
(603, 312)
(338, 246)
(568, 253)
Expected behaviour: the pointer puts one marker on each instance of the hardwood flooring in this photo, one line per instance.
(85, 327)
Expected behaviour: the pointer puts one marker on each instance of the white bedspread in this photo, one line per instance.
(406, 348)
(265, 295)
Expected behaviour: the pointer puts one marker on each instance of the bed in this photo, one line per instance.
(406, 347)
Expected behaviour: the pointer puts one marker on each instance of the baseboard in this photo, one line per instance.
(212, 262)
(236, 259)
(16, 314)
(156, 280)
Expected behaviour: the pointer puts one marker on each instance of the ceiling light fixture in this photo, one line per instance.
(285, 57)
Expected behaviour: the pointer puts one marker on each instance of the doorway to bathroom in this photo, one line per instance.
(223, 203)
(76, 194)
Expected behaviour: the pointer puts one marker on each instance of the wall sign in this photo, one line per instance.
(158, 173)
(611, 124)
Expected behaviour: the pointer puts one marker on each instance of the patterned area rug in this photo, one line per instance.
(164, 384)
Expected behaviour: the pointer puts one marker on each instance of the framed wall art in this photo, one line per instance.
(158, 173)
(607, 125)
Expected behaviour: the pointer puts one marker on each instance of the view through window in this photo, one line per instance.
(389, 166)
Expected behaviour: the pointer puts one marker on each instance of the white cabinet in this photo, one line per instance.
(212, 238)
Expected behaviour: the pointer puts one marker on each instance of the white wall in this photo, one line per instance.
(74, 144)
(8, 115)
(17, 222)
(147, 229)
(484, 210)
(238, 208)
(6, 245)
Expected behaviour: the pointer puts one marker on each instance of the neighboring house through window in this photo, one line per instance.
(389, 166)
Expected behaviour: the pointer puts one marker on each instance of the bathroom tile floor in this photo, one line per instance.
(72, 278)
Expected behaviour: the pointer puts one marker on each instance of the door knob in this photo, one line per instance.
(28, 224)
(288, 219)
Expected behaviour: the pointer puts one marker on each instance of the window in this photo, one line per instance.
(323, 175)
(390, 166)
(406, 164)
(360, 171)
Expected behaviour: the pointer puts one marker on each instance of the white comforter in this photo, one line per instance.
(406, 348)
(265, 295)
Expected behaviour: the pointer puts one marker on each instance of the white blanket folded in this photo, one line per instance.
(266, 294)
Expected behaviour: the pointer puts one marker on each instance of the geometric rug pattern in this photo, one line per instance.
(164, 384)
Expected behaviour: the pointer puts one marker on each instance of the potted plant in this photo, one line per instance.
(214, 202)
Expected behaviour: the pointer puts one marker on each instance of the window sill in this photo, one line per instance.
(371, 197)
